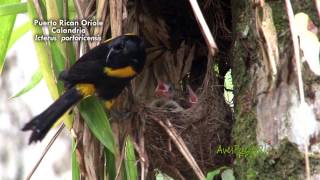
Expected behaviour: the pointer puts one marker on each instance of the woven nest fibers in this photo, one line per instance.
(203, 127)
(177, 55)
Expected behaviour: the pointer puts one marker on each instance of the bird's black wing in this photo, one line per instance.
(88, 71)
(89, 68)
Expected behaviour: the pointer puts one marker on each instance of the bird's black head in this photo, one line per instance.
(126, 50)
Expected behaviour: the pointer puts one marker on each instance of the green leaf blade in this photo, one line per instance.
(44, 55)
(214, 173)
(13, 8)
(227, 175)
(74, 162)
(18, 33)
(111, 164)
(130, 163)
(6, 24)
(36, 78)
(95, 117)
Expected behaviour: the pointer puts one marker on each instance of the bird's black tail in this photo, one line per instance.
(41, 124)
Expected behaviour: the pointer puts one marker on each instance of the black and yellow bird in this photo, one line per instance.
(104, 70)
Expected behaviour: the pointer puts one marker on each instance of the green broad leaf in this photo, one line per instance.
(228, 94)
(214, 173)
(6, 24)
(12, 8)
(58, 59)
(43, 53)
(161, 176)
(71, 10)
(60, 6)
(42, 4)
(74, 162)
(54, 14)
(110, 165)
(95, 117)
(52, 9)
(130, 161)
(227, 175)
(18, 33)
(62, 54)
(58, 65)
(35, 79)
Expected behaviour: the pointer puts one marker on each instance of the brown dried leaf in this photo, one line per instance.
(173, 74)
(180, 56)
(188, 61)
(116, 17)
(154, 54)
(147, 32)
(161, 70)
(92, 155)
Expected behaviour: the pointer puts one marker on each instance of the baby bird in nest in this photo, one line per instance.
(171, 99)
(192, 97)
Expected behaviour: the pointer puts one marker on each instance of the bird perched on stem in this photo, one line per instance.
(104, 70)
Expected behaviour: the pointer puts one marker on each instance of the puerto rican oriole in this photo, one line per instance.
(104, 70)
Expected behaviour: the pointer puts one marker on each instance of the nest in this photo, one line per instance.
(178, 55)
(203, 128)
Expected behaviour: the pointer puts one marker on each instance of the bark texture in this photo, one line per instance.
(264, 101)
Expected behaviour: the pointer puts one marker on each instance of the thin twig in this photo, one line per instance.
(212, 46)
(40, 15)
(296, 48)
(144, 169)
(65, 16)
(65, 9)
(89, 7)
(144, 158)
(100, 16)
(181, 146)
(80, 14)
(295, 40)
(120, 163)
(116, 17)
(45, 151)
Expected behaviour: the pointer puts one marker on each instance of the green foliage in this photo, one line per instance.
(74, 164)
(95, 117)
(12, 8)
(36, 78)
(111, 165)
(18, 33)
(7, 20)
(53, 57)
(44, 55)
(161, 176)
(225, 173)
(228, 85)
(130, 162)
(213, 174)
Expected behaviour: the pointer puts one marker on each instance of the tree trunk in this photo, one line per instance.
(267, 99)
